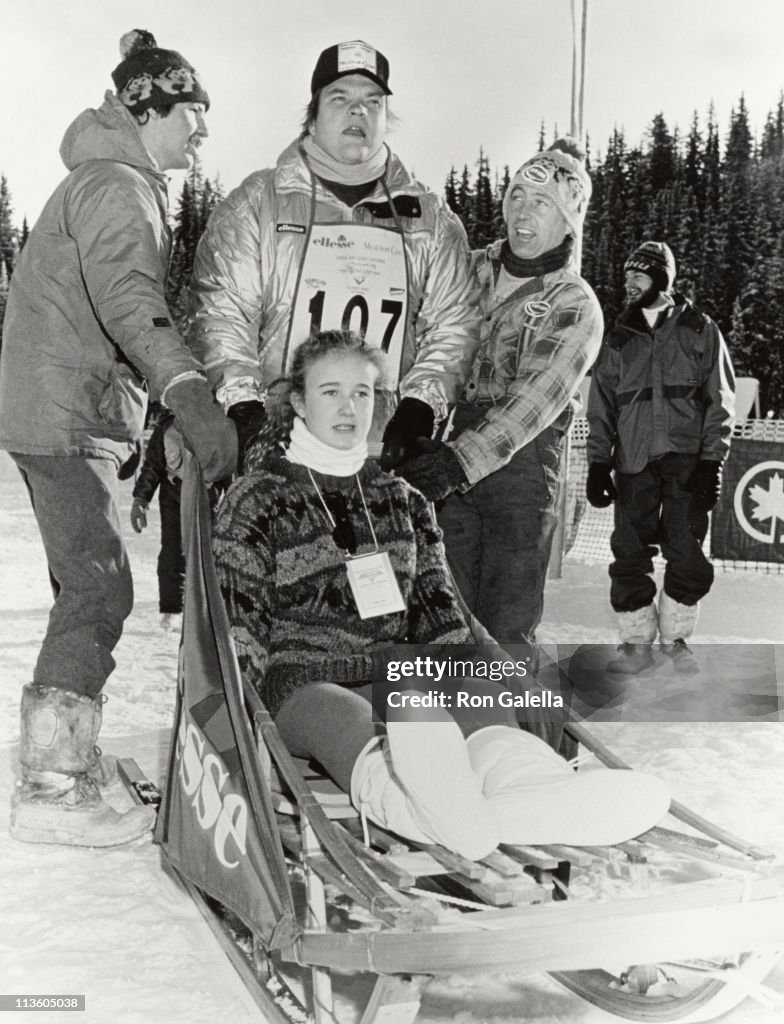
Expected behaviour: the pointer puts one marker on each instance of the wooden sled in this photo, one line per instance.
(686, 948)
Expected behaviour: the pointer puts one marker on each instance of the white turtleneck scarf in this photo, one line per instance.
(305, 449)
(327, 168)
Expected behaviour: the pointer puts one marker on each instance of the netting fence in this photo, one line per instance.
(586, 536)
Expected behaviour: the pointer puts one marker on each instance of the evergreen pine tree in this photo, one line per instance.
(9, 245)
(450, 191)
(3, 295)
(465, 202)
(483, 207)
(501, 188)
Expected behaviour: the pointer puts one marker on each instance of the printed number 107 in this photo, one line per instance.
(357, 303)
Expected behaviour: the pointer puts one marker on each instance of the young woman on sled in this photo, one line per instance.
(287, 542)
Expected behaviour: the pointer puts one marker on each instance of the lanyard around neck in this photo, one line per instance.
(333, 522)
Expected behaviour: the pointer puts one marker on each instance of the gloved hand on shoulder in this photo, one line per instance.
(435, 470)
(412, 419)
(211, 436)
(599, 488)
(248, 417)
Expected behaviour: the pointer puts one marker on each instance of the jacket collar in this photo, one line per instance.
(292, 174)
(633, 319)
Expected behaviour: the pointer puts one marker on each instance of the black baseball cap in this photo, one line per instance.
(351, 58)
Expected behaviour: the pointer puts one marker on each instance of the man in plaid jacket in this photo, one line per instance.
(541, 331)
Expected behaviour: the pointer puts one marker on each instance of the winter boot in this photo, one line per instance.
(418, 781)
(537, 798)
(637, 631)
(58, 799)
(676, 625)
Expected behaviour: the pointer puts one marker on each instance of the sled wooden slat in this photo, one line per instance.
(385, 840)
(575, 855)
(711, 856)
(454, 863)
(563, 936)
(504, 866)
(531, 856)
(384, 865)
(657, 832)
(494, 894)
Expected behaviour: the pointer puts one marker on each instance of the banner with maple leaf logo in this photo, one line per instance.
(748, 522)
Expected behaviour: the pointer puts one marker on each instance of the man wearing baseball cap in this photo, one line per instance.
(660, 413)
(337, 235)
(87, 335)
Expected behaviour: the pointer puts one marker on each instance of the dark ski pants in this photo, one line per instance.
(171, 561)
(499, 535)
(653, 509)
(76, 506)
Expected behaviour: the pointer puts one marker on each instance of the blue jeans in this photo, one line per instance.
(76, 505)
(499, 535)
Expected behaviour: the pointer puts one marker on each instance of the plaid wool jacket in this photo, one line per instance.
(536, 346)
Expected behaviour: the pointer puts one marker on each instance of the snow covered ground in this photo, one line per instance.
(112, 925)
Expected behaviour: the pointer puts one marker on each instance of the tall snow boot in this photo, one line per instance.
(676, 625)
(537, 798)
(636, 631)
(418, 781)
(57, 799)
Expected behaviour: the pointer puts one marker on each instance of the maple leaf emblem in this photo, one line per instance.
(769, 501)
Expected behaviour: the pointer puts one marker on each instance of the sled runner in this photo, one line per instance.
(276, 859)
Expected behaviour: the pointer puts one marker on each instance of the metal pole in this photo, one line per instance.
(573, 119)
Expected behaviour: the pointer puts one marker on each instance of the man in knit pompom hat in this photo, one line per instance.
(660, 413)
(500, 469)
(87, 336)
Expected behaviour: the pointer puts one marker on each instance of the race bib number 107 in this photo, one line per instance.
(354, 278)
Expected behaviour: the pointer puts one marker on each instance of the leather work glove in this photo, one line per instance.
(210, 435)
(248, 417)
(411, 419)
(139, 514)
(435, 470)
(599, 488)
(705, 485)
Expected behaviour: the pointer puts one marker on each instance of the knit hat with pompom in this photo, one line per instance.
(560, 172)
(150, 77)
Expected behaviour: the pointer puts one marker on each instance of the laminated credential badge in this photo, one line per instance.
(373, 584)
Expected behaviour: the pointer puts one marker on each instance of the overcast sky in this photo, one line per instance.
(465, 74)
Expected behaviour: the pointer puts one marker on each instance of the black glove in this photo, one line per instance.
(436, 472)
(705, 484)
(248, 417)
(599, 488)
(411, 419)
(208, 433)
(139, 514)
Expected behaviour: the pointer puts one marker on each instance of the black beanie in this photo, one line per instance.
(657, 261)
(151, 77)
